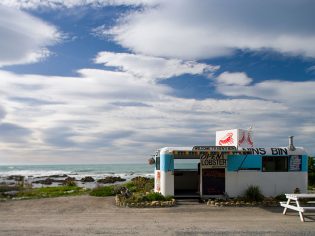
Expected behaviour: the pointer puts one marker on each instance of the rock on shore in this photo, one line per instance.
(16, 177)
(111, 180)
(87, 179)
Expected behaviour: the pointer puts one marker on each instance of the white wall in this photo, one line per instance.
(167, 183)
(270, 183)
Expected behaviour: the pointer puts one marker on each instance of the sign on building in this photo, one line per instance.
(213, 160)
(235, 137)
(214, 148)
(295, 163)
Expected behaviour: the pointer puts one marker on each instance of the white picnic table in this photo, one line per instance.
(294, 199)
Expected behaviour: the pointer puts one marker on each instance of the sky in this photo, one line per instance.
(111, 81)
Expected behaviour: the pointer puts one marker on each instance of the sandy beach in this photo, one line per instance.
(86, 215)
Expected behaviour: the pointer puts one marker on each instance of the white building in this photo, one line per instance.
(230, 168)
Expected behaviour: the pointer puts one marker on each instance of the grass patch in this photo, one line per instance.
(46, 192)
(103, 191)
(138, 186)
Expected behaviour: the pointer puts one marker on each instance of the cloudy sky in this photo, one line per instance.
(109, 81)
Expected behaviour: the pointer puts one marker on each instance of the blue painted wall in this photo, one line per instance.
(250, 161)
(305, 163)
(167, 162)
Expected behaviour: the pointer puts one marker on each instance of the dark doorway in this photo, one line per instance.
(186, 182)
(213, 181)
(186, 177)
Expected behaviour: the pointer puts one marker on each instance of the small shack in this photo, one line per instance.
(230, 167)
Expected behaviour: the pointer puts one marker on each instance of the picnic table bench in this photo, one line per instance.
(294, 199)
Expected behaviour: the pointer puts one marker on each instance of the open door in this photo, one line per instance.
(186, 177)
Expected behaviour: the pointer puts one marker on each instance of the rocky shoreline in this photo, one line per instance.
(58, 180)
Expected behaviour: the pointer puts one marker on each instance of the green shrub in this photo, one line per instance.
(168, 198)
(149, 186)
(253, 193)
(281, 197)
(297, 191)
(103, 191)
(117, 189)
(311, 179)
(140, 197)
(140, 184)
(135, 198)
(131, 186)
(154, 197)
(311, 171)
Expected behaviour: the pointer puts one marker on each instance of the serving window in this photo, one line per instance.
(275, 163)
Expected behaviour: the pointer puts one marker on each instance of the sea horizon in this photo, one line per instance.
(97, 171)
(50, 164)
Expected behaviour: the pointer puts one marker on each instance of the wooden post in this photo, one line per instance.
(300, 213)
(285, 209)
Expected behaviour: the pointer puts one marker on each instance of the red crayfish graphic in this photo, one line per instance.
(249, 139)
(227, 139)
(242, 139)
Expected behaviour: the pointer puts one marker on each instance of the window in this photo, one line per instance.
(186, 164)
(157, 163)
(275, 163)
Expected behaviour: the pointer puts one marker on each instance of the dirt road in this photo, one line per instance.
(85, 215)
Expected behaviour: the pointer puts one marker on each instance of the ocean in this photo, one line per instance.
(34, 173)
(97, 171)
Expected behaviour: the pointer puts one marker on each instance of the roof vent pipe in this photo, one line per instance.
(291, 146)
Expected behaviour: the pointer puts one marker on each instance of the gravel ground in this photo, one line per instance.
(85, 215)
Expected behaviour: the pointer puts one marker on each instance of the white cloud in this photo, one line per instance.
(152, 68)
(295, 94)
(55, 4)
(186, 30)
(13, 133)
(102, 116)
(2, 113)
(311, 69)
(110, 84)
(63, 110)
(23, 38)
(235, 78)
